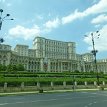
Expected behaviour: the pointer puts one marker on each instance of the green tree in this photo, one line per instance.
(9, 67)
(2, 67)
(14, 68)
(20, 67)
(77, 71)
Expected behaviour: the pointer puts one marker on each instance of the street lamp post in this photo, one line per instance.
(94, 51)
(3, 18)
(1, 40)
(1, 21)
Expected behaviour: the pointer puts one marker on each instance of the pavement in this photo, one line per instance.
(65, 99)
(49, 91)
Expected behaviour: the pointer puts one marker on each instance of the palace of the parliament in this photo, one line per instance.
(50, 56)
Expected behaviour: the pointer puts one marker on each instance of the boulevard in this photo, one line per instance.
(66, 99)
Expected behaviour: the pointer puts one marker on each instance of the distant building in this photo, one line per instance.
(21, 50)
(50, 56)
(54, 49)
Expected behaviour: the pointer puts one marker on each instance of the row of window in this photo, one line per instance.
(3, 47)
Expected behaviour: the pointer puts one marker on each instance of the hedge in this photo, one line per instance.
(13, 81)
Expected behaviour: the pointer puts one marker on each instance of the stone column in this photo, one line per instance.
(83, 66)
(71, 66)
(103, 82)
(55, 65)
(85, 83)
(64, 84)
(41, 66)
(78, 66)
(22, 86)
(52, 85)
(38, 85)
(61, 67)
(95, 83)
(58, 67)
(49, 65)
(75, 83)
(5, 86)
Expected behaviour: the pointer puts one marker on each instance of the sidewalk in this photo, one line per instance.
(50, 91)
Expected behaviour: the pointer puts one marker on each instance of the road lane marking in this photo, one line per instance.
(41, 100)
(27, 102)
(3, 104)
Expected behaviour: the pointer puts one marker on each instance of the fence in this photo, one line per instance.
(51, 86)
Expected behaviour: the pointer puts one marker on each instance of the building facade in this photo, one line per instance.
(50, 56)
(46, 48)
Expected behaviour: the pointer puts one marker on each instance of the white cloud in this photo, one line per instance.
(94, 1)
(72, 17)
(100, 19)
(98, 25)
(25, 33)
(2, 1)
(52, 23)
(9, 4)
(39, 17)
(101, 42)
(100, 7)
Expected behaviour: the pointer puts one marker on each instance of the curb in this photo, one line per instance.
(50, 91)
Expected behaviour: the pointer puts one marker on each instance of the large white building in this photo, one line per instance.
(50, 56)
(54, 49)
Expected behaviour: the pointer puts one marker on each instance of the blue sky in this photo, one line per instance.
(64, 20)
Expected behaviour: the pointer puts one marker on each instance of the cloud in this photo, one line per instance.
(94, 1)
(39, 17)
(100, 19)
(29, 33)
(101, 42)
(100, 7)
(98, 25)
(70, 18)
(9, 4)
(52, 23)
(25, 33)
(2, 1)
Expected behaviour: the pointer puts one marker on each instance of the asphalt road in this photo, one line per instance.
(68, 99)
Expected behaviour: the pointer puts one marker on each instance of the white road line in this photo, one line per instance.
(27, 102)
(90, 104)
(3, 104)
(41, 100)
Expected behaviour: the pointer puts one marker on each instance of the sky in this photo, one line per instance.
(64, 20)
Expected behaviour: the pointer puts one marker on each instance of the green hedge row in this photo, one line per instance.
(46, 81)
(19, 74)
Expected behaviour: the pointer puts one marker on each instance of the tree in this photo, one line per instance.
(77, 71)
(2, 67)
(15, 68)
(9, 68)
(20, 67)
